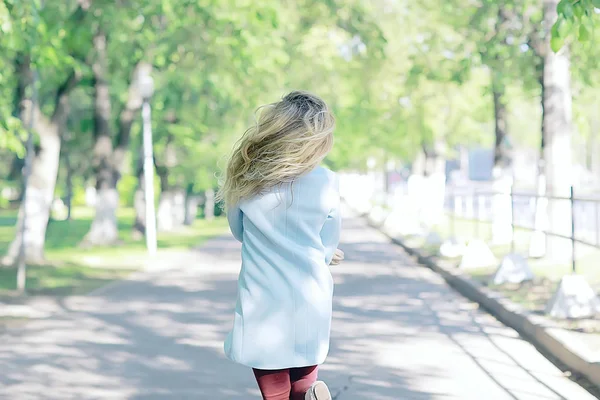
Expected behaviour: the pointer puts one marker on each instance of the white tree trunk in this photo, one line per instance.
(40, 192)
(104, 230)
(191, 209)
(171, 210)
(500, 125)
(209, 204)
(595, 149)
(557, 131)
(44, 166)
(109, 159)
(139, 204)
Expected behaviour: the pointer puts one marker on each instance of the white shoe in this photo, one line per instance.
(318, 391)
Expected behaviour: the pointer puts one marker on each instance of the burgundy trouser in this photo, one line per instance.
(285, 384)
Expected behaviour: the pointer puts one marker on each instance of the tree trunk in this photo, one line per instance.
(69, 185)
(40, 191)
(538, 242)
(501, 206)
(139, 202)
(104, 229)
(191, 209)
(497, 65)
(171, 206)
(192, 202)
(419, 165)
(428, 161)
(595, 149)
(438, 161)
(171, 210)
(15, 173)
(109, 160)
(24, 79)
(386, 175)
(500, 125)
(44, 170)
(557, 132)
(129, 112)
(44, 165)
(16, 168)
(209, 205)
(433, 161)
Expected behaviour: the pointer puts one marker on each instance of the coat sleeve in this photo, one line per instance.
(235, 218)
(330, 233)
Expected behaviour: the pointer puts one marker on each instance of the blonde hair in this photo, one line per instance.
(290, 138)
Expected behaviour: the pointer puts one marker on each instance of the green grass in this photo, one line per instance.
(69, 279)
(76, 270)
(588, 259)
(532, 295)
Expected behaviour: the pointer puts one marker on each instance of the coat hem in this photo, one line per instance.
(274, 367)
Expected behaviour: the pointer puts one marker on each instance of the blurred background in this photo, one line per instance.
(468, 131)
(467, 100)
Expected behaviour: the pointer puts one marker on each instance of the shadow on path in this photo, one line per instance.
(398, 333)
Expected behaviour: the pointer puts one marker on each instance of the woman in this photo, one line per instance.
(284, 209)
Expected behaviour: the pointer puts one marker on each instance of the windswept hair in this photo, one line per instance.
(290, 138)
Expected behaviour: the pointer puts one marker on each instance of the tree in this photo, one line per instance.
(33, 37)
(132, 36)
(574, 18)
(556, 128)
(204, 88)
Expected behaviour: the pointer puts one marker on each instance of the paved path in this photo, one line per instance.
(399, 333)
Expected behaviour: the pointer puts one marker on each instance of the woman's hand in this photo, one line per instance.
(338, 257)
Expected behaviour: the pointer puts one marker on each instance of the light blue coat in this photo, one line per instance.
(285, 289)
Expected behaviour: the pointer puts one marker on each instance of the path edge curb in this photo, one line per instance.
(506, 311)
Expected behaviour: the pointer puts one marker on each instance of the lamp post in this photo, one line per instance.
(146, 86)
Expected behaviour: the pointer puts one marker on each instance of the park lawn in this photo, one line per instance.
(588, 260)
(76, 270)
(536, 294)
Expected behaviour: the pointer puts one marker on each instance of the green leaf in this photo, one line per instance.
(584, 34)
(560, 8)
(556, 43)
(596, 3)
(566, 27)
(556, 28)
(567, 9)
(578, 10)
